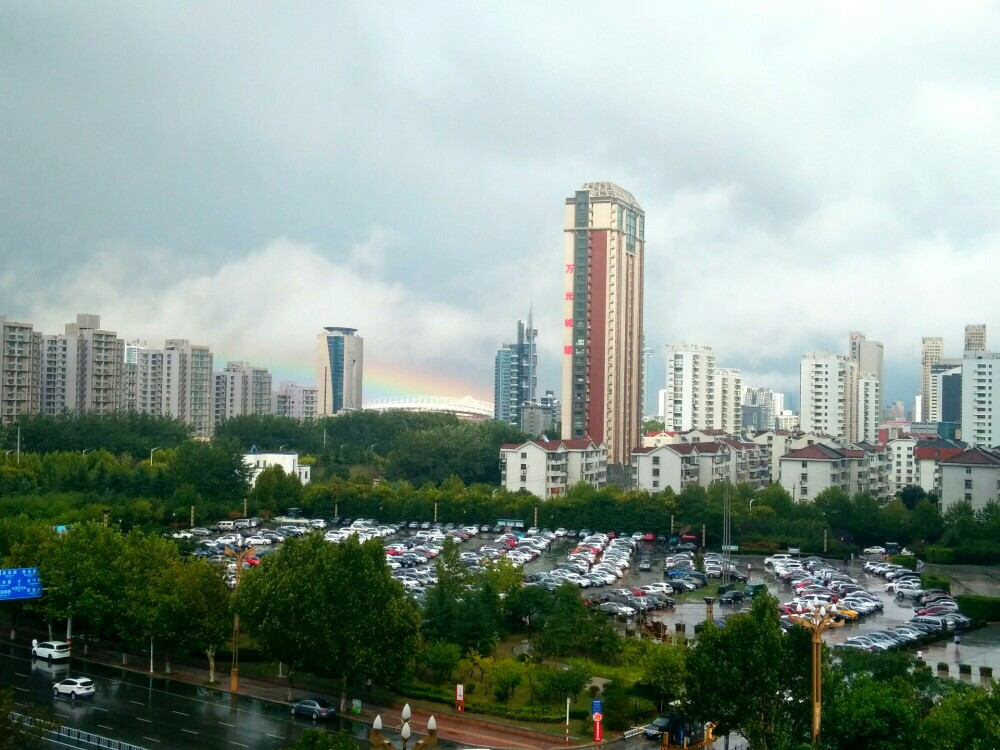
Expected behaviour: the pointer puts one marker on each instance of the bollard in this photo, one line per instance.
(986, 671)
(965, 669)
(942, 666)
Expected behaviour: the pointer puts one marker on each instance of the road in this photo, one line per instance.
(156, 713)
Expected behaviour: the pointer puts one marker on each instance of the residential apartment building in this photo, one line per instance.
(758, 411)
(20, 369)
(728, 400)
(339, 370)
(547, 469)
(787, 420)
(975, 338)
(515, 382)
(972, 476)
(602, 318)
(868, 354)
(902, 463)
(869, 406)
(241, 389)
(828, 387)
(946, 392)
(806, 472)
(294, 401)
(188, 385)
(691, 391)
(932, 351)
(678, 465)
(928, 455)
(82, 370)
(981, 399)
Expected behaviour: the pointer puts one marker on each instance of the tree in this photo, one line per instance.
(205, 603)
(528, 604)
(869, 713)
(663, 670)
(506, 678)
(317, 739)
(439, 660)
(16, 734)
(968, 719)
(737, 676)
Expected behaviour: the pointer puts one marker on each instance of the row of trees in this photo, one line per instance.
(132, 588)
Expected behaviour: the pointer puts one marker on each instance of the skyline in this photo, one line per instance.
(211, 173)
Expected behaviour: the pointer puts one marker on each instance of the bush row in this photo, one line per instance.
(486, 708)
(979, 607)
(935, 581)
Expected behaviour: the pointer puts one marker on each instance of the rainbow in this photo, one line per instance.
(391, 380)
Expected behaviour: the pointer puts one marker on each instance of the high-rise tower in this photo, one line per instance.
(931, 352)
(602, 318)
(339, 370)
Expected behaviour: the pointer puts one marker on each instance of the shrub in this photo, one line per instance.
(941, 555)
(907, 561)
(979, 607)
(935, 581)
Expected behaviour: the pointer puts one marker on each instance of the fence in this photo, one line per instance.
(82, 739)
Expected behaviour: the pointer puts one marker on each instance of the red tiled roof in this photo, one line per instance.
(551, 446)
(936, 453)
(975, 457)
(816, 452)
(681, 449)
(707, 447)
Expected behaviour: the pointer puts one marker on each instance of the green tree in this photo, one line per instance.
(968, 719)
(869, 713)
(205, 604)
(663, 670)
(439, 659)
(506, 678)
(737, 676)
(317, 739)
(17, 734)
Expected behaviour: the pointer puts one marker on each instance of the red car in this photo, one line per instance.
(649, 537)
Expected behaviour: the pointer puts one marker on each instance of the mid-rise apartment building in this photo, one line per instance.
(603, 258)
(241, 389)
(19, 369)
(691, 390)
(869, 406)
(82, 370)
(828, 386)
(294, 401)
(188, 385)
(547, 469)
(972, 476)
(932, 351)
(728, 400)
(981, 398)
(975, 338)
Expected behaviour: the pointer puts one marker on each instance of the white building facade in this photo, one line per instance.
(828, 387)
(289, 462)
(547, 469)
(981, 399)
(294, 401)
(972, 476)
(728, 399)
(690, 397)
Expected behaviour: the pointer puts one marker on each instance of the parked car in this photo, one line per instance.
(732, 597)
(876, 550)
(51, 650)
(316, 708)
(74, 687)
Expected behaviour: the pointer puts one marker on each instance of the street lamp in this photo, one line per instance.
(234, 674)
(377, 742)
(816, 618)
(151, 456)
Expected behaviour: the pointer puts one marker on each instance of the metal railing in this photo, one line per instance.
(69, 733)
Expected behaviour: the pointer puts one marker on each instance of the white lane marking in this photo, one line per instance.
(151, 739)
(98, 708)
(276, 736)
(23, 690)
(138, 703)
(189, 731)
(181, 713)
(139, 718)
(20, 675)
(105, 726)
(226, 725)
(239, 744)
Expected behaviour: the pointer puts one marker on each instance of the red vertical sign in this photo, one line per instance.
(597, 732)
(460, 698)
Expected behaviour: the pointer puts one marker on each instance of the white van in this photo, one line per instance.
(227, 525)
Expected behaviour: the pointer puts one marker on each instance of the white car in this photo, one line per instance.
(875, 550)
(257, 541)
(182, 535)
(560, 531)
(51, 650)
(74, 687)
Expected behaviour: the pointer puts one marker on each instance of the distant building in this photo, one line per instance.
(188, 385)
(932, 350)
(690, 398)
(787, 420)
(605, 238)
(728, 400)
(981, 398)
(515, 382)
(946, 390)
(294, 401)
(828, 395)
(758, 411)
(466, 408)
(896, 410)
(339, 370)
(82, 370)
(20, 369)
(547, 469)
(241, 389)
(975, 338)
(972, 476)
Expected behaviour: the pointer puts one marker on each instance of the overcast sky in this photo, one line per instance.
(242, 174)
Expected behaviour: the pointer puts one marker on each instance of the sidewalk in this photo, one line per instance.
(479, 732)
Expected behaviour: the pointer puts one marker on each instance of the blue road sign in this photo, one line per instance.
(596, 707)
(19, 583)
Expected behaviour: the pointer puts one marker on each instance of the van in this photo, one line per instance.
(755, 587)
(242, 523)
(227, 526)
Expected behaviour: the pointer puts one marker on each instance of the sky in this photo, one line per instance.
(242, 174)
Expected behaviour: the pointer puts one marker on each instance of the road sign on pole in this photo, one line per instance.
(20, 583)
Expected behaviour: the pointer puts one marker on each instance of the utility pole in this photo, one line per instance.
(19, 445)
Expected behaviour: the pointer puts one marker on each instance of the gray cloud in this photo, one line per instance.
(805, 169)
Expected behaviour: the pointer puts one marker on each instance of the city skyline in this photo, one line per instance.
(285, 190)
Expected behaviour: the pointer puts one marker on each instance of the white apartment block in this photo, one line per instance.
(972, 476)
(241, 389)
(188, 385)
(902, 463)
(728, 400)
(828, 386)
(774, 444)
(787, 420)
(294, 401)
(681, 464)
(690, 398)
(806, 472)
(869, 405)
(981, 399)
(19, 369)
(289, 462)
(928, 456)
(81, 370)
(548, 469)
(932, 350)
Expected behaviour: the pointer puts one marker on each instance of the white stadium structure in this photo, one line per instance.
(464, 408)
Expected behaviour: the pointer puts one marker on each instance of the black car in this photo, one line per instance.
(656, 728)
(732, 597)
(316, 708)
(645, 564)
(719, 623)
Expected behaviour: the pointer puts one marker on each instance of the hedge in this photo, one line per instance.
(907, 561)
(979, 608)
(517, 713)
(934, 581)
(941, 555)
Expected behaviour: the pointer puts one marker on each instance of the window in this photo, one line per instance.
(805, 465)
(524, 467)
(968, 497)
(968, 470)
(656, 460)
(968, 484)
(524, 455)
(656, 483)
(656, 472)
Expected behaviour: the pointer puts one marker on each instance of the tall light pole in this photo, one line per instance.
(234, 674)
(151, 456)
(817, 618)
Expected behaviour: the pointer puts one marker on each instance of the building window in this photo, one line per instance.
(656, 460)
(805, 465)
(968, 484)
(968, 497)
(968, 471)
(524, 455)
(656, 484)
(656, 472)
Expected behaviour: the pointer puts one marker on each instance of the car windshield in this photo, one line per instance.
(323, 703)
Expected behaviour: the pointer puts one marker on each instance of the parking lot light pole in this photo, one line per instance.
(816, 618)
(234, 674)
